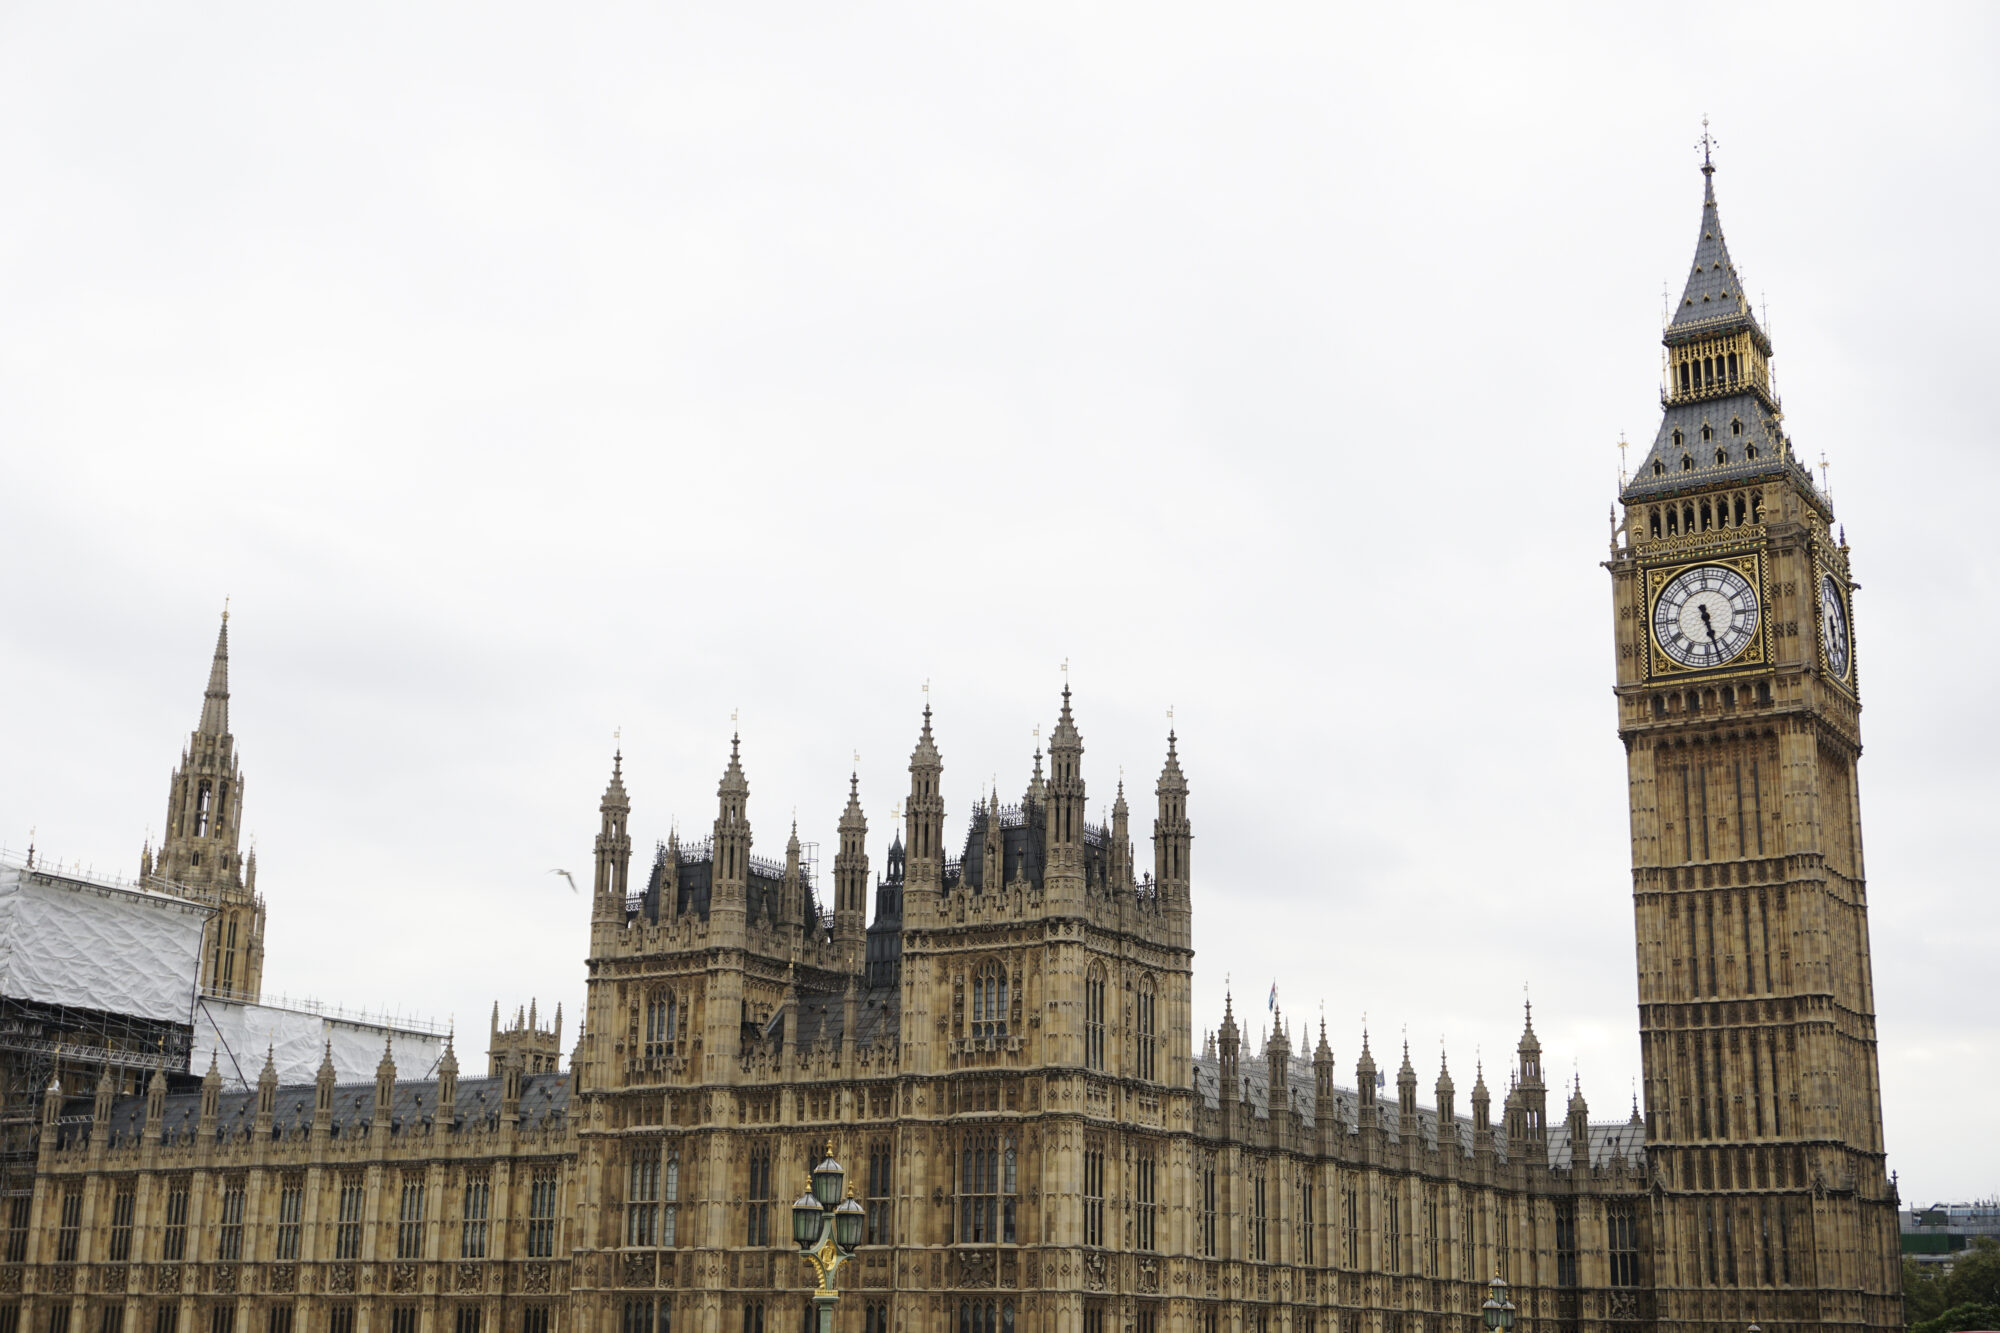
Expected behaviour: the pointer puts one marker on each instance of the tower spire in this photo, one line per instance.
(1723, 422)
(199, 848)
(215, 700)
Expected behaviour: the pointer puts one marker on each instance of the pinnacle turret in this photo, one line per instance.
(733, 782)
(923, 816)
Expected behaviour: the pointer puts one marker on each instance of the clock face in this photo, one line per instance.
(1705, 616)
(1833, 625)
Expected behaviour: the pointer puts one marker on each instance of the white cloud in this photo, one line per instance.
(523, 380)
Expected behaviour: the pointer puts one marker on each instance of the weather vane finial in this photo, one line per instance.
(1707, 146)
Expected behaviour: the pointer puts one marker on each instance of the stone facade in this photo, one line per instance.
(1004, 1059)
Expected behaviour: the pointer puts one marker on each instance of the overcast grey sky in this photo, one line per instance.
(525, 373)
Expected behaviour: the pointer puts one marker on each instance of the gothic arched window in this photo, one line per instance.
(986, 1187)
(1147, 1037)
(989, 1000)
(659, 1024)
(1093, 1018)
(670, 1197)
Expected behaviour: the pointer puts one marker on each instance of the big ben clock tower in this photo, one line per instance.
(1739, 706)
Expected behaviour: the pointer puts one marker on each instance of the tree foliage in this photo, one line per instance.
(1968, 1297)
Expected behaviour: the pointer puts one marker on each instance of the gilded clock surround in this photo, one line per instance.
(1845, 677)
(1661, 665)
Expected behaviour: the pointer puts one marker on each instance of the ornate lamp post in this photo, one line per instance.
(1498, 1310)
(827, 1229)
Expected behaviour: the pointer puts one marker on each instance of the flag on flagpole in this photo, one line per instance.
(1273, 1005)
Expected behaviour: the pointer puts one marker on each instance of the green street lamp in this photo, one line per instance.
(1498, 1310)
(827, 1230)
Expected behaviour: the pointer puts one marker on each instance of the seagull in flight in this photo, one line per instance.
(571, 878)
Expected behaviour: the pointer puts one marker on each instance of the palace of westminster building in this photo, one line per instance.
(1001, 1050)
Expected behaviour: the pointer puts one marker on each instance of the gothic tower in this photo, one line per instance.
(198, 854)
(1738, 705)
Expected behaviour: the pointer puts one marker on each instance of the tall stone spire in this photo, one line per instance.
(1172, 834)
(1121, 841)
(1063, 857)
(215, 701)
(732, 837)
(1531, 1091)
(199, 853)
(924, 815)
(1229, 1045)
(1368, 1114)
(850, 876)
(613, 848)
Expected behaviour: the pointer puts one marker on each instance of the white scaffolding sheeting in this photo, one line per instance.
(94, 946)
(240, 1035)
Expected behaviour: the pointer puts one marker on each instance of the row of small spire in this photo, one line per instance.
(1224, 1047)
(926, 764)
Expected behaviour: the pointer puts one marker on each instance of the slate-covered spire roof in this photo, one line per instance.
(1714, 294)
(1727, 426)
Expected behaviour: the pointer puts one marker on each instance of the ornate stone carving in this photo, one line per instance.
(974, 1270)
(167, 1277)
(281, 1278)
(468, 1277)
(111, 1277)
(61, 1277)
(403, 1277)
(638, 1270)
(340, 1278)
(1093, 1272)
(535, 1278)
(222, 1279)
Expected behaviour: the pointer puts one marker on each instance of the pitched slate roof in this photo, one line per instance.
(544, 1099)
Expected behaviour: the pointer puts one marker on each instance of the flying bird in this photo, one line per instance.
(571, 878)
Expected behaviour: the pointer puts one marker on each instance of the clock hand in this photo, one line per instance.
(1709, 625)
